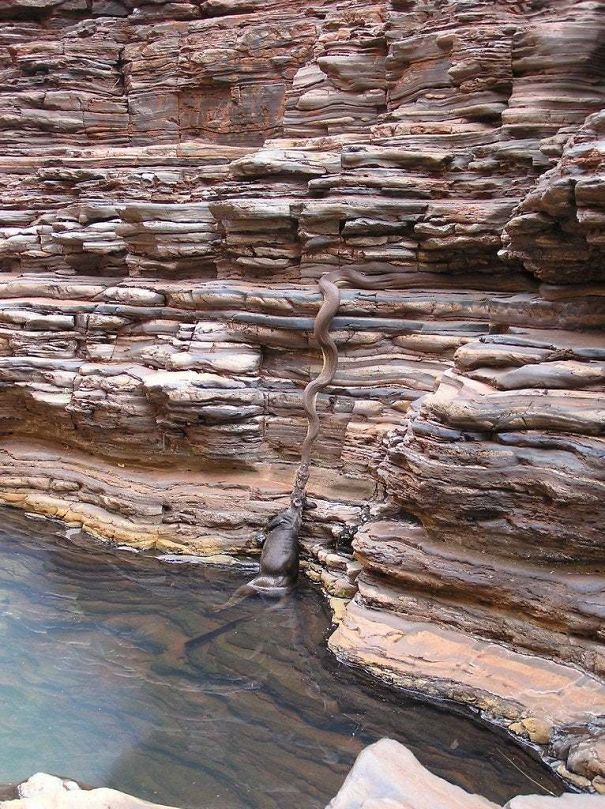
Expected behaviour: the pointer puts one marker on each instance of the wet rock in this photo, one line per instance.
(386, 775)
(578, 781)
(599, 784)
(587, 757)
(534, 695)
(536, 730)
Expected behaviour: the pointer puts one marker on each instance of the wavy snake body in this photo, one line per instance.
(321, 332)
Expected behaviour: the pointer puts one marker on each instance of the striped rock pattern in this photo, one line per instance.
(175, 178)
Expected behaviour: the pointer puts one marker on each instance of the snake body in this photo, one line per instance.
(328, 284)
(321, 333)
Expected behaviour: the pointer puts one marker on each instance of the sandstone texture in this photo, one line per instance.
(386, 775)
(177, 175)
(43, 791)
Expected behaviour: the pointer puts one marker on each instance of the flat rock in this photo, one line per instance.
(386, 775)
(450, 664)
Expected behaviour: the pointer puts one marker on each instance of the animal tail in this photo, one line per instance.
(201, 640)
(240, 594)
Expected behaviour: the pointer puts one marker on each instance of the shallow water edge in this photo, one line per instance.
(98, 652)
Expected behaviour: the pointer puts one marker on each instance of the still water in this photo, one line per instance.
(97, 683)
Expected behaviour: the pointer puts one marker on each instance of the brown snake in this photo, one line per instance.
(321, 332)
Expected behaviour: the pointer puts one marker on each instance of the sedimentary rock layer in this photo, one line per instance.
(175, 178)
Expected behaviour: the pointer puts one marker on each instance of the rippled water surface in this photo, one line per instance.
(96, 683)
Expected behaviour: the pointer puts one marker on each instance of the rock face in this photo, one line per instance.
(175, 178)
(386, 775)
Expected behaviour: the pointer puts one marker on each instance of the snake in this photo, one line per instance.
(328, 285)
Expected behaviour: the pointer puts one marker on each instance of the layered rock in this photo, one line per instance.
(175, 178)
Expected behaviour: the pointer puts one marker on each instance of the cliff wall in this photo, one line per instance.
(175, 178)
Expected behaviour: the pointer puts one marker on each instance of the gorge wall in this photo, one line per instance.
(175, 178)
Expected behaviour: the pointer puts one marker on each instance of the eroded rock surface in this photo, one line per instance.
(386, 775)
(175, 178)
(43, 791)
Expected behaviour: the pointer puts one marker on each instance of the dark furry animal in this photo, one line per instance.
(279, 558)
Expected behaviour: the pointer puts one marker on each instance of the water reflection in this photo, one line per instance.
(99, 681)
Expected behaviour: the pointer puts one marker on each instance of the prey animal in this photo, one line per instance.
(278, 572)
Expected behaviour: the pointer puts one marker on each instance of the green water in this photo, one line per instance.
(96, 683)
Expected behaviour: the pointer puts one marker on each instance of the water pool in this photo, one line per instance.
(97, 683)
